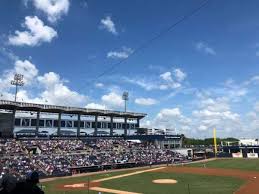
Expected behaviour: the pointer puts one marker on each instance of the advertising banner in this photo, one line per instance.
(252, 155)
(237, 155)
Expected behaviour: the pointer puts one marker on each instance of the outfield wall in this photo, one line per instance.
(241, 151)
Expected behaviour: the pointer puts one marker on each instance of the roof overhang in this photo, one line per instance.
(24, 106)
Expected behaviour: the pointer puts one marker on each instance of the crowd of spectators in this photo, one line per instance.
(54, 146)
(57, 157)
(10, 146)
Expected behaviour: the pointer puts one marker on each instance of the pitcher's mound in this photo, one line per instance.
(165, 181)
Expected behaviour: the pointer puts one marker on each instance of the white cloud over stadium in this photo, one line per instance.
(35, 34)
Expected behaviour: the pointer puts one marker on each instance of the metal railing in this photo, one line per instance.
(68, 108)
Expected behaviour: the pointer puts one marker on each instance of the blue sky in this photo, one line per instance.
(202, 74)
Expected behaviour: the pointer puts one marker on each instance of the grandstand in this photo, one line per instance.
(62, 157)
(62, 140)
(37, 119)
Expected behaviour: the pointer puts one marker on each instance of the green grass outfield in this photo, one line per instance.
(198, 184)
(233, 163)
(142, 183)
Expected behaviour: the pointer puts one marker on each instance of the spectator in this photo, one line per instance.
(8, 184)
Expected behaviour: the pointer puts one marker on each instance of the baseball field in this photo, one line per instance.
(221, 176)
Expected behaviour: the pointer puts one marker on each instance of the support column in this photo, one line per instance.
(138, 122)
(96, 125)
(37, 123)
(78, 125)
(111, 127)
(13, 124)
(125, 127)
(59, 124)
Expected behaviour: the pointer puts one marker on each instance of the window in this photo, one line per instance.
(69, 124)
(49, 123)
(55, 123)
(17, 122)
(131, 126)
(63, 123)
(93, 124)
(33, 122)
(75, 124)
(104, 125)
(41, 124)
(119, 126)
(82, 124)
(25, 122)
(114, 125)
(87, 124)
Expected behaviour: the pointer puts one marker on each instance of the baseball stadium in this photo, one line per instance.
(129, 161)
(129, 97)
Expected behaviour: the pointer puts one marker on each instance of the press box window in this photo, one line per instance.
(33, 122)
(82, 124)
(17, 122)
(55, 123)
(69, 124)
(41, 123)
(49, 123)
(25, 122)
(63, 123)
(75, 124)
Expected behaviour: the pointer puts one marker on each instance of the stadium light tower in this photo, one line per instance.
(17, 81)
(125, 97)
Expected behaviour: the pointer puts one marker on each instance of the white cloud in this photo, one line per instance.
(108, 24)
(203, 47)
(95, 106)
(179, 74)
(146, 101)
(216, 113)
(99, 85)
(54, 9)
(252, 121)
(252, 80)
(167, 76)
(57, 93)
(112, 100)
(26, 68)
(123, 54)
(168, 113)
(172, 79)
(167, 80)
(218, 107)
(50, 87)
(201, 122)
(35, 34)
(170, 118)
